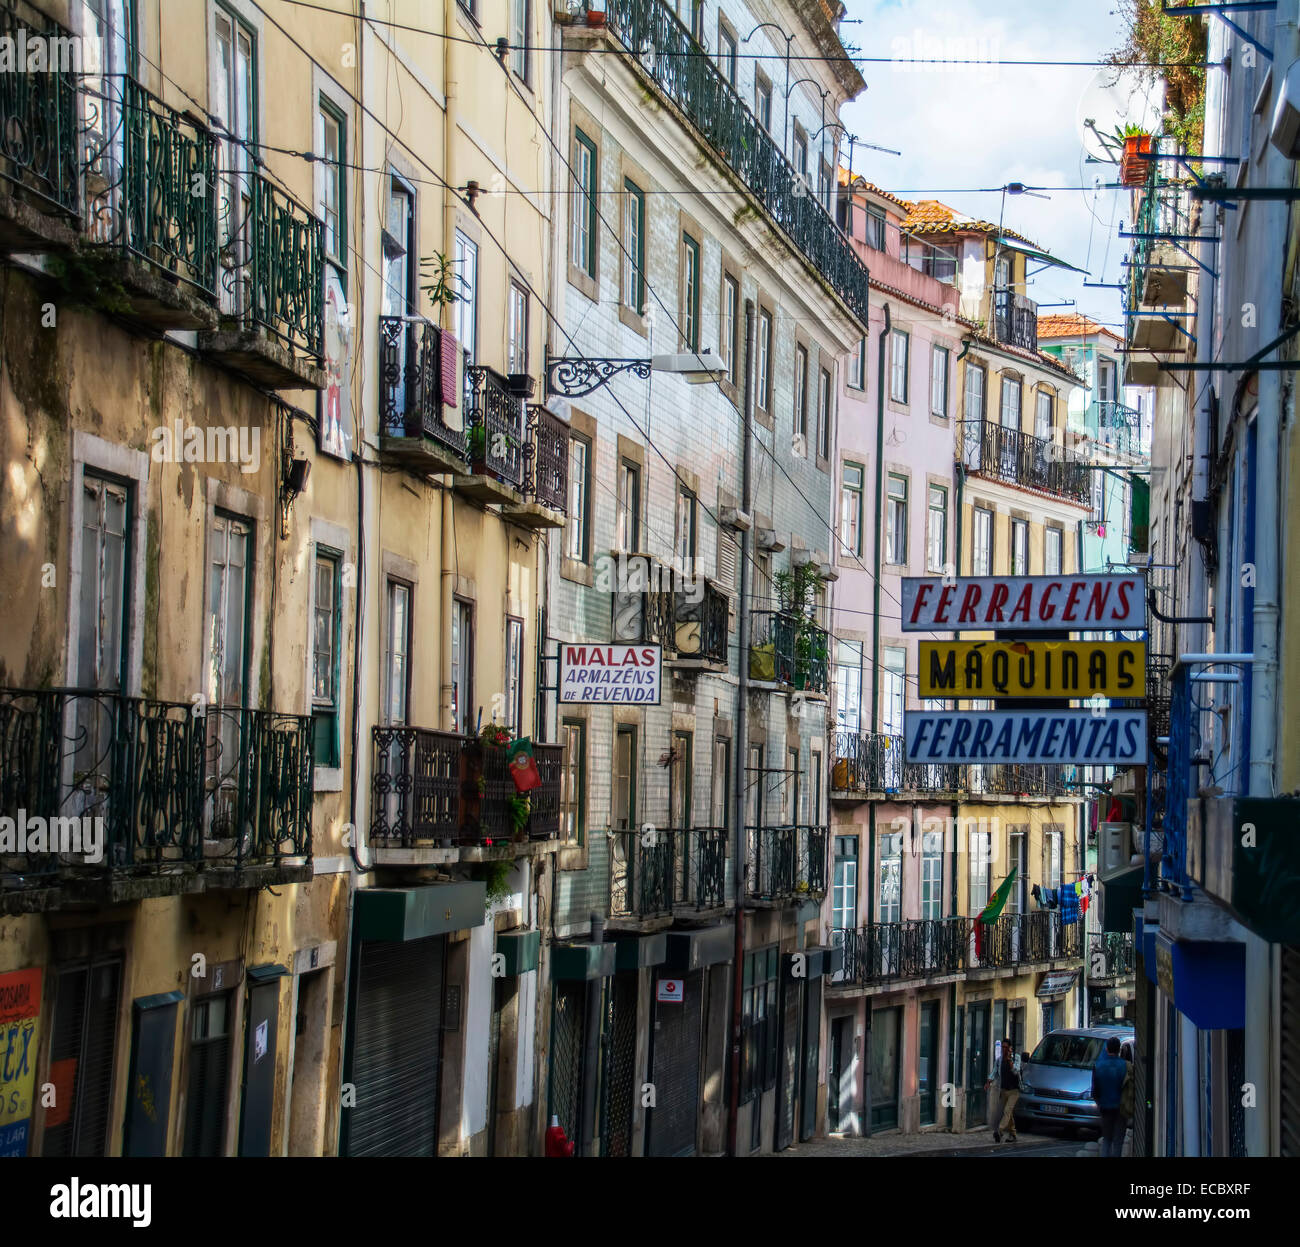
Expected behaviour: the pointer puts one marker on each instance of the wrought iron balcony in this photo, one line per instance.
(415, 786)
(1111, 955)
(889, 951)
(1015, 320)
(665, 50)
(494, 427)
(1019, 458)
(870, 762)
(813, 843)
(643, 609)
(701, 879)
(643, 869)
(1118, 427)
(787, 650)
(702, 622)
(771, 863)
(490, 796)
(38, 131)
(546, 459)
(411, 390)
(1047, 779)
(1020, 939)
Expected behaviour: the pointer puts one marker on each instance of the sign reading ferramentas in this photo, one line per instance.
(1111, 738)
(619, 675)
(1024, 604)
(1063, 669)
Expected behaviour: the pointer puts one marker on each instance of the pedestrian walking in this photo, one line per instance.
(1108, 1077)
(1009, 1088)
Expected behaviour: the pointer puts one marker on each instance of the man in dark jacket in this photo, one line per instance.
(1108, 1091)
(1009, 1086)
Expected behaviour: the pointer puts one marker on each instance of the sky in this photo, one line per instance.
(963, 127)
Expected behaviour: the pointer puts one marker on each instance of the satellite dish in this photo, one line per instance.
(1115, 98)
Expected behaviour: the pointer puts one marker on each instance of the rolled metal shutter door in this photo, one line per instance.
(812, 1038)
(1289, 1082)
(675, 1072)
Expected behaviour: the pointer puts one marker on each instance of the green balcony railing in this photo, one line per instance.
(663, 47)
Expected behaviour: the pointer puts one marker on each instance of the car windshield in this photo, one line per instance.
(1074, 1051)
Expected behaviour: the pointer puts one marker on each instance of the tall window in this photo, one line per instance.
(800, 152)
(519, 37)
(758, 1023)
(623, 804)
(517, 330)
(801, 391)
(844, 887)
(730, 325)
(578, 527)
(720, 795)
(1010, 402)
(891, 876)
(582, 240)
(327, 612)
(858, 366)
(981, 553)
(824, 415)
(851, 509)
(690, 321)
(514, 675)
(332, 138)
(629, 506)
(893, 696)
(467, 305)
(681, 781)
(727, 52)
(980, 853)
(848, 685)
(936, 537)
(763, 101)
(462, 666)
(685, 525)
(634, 247)
(896, 520)
(397, 663)
(1043, 416)
(1020, 547)
(1054, 540)
(233, 106)
(875, 237)
(899, 346)
(1052, 859)
(209, 1075)
(939, 381)
(105, 522)
(975, 383)
(573, 734)
(764, 396)
(932, 874)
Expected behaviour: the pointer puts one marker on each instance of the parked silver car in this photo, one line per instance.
(1056, 1082)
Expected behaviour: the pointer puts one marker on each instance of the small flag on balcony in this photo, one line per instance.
(523, 766)
(998, 899)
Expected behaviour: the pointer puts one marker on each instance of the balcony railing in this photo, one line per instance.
(642, 873)
(410, 383)
(785, 864)
(1047, 779)
(38, 115)
(164, 787)
(1164, 207)
(494, 426)
(546, 459)
(1018, 939)
(702, 623)
(647, 614)
(1015, 320)
(787, 650)
(701, 881)
(151, 183)
(876, 762)
(665, 49)
(813, 841)
(1111, 955)
(1118, 427)
(1019, 458)
(884, 951)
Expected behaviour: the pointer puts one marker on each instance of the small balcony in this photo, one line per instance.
(1046, 779)
(703, 619)
(546, 472)
(789, 651)
(494, 432)
(1111, 957)
(1017, 458)
(644, 606)
(1015, 320)
(1024, 939)
(874, 763)
(785, 865)
(1117, 428)
(664, 873)
(412, 393)
(891, 952)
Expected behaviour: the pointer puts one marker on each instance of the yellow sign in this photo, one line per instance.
(20, 1013)
(1066, 669)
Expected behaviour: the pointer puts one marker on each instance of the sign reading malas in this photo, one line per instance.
(1024, 604)
(610, 674)
(1063, 669)
(1114, 738)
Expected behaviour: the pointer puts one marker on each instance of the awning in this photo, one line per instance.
(1033, 253)
(1057, 983)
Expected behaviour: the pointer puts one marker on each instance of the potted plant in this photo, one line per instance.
(495, 735)
(476, 439)
(1136, 143)
(520, 808)
(595, 12)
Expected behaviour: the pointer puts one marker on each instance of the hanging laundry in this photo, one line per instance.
(1069, 906)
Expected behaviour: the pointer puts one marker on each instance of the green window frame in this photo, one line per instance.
(634, 247)
(690, 293)
(326, 629)
(852, 477)
(573, 781)
(937, 529)
(336, 172)
(586, 167)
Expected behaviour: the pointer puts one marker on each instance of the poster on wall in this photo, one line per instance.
(625, 675)
(20, 1014)
(1088, 603)
(336, 398)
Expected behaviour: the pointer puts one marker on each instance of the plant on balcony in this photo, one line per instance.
(494, 735)
(440, 281)
(520, 808)
(1136, 143)
(1163, 45)
(796, 592)
(494, 874)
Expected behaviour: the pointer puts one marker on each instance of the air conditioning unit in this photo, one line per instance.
(1113, 847)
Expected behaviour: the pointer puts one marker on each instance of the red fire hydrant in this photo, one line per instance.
(557, 1144)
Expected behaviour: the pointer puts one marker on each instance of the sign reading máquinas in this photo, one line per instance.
(610, 674)
(1032, 669)
(1112, 738)
(1024, 604)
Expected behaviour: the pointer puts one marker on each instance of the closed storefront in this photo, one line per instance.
(675, 1068)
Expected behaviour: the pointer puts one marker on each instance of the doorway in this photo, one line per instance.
(843, 1071)
(928, 1064)
(977, 1066)
(886, 1037)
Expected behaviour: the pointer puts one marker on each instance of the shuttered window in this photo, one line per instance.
(209, 1076)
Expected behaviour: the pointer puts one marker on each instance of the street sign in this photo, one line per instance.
(1024, 604)
(1111, 738)
(669, 991)
(1065, 669)
(623, 675)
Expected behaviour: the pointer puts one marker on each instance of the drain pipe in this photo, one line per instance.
(591, 1052)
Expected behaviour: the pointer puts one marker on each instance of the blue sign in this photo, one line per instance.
(1079, 737)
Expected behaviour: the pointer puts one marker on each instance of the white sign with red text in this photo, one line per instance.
(619, 675)
(670, 991)
(1024, 604)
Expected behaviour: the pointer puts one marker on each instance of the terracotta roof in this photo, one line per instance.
(861, 184)
(1072, 325)
(929, 216)
(1040, 358)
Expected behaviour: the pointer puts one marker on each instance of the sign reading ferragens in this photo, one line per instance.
(610, 674)
(1114, 738)
(1024, 604)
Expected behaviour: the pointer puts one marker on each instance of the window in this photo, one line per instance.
(690, 320)
(720, 797)
(101, 624)
(327, 616)
(851, 508)
(397, 669)
(519, 25)
(582, 242)
(936, 537)
(1043, 416)
(758, 1023)
(764, 397)
(899, 344)
(730, 325)
(801, 392)
(932, 875)
(858, 367)
(790, 788)
(399, 245)
(233, 107)
(623, 801)
(1010, 402)
(573, 733)
(975, 385)
(1054, 541)
(629, 506)
(896, 520)
(824, 415)
(844, 885)
(892, 690)
(763, 101)
(848, 685)
(727, 51)
(633, 247)
(1020, 547)
(875, 236)
(517, 330)
(981, 554)
(466, 319)
(1052, 859)
(514, 675)
(681, 780)
(578, 528)
(800, 155)
(209, 1076)
(939, 381)
(981, 847)
(685, 526)
(333, 198)
(891, 876)
(462, 666)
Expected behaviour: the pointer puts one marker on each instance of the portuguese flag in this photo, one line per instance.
(523, 766)
(998, 899)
